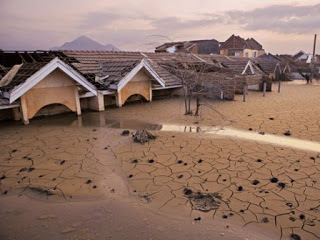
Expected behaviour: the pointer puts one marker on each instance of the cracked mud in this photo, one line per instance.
(208, 178)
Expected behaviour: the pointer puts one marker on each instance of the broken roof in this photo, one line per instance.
(236, 64)
(206, 46)
(89, 62)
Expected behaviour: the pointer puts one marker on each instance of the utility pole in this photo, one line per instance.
(313, 57)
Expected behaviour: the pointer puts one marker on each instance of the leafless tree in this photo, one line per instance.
(199, 81)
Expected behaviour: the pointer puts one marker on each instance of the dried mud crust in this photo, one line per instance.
(254, 184)
(59, 162)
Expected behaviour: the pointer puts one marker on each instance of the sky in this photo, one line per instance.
(281, 26)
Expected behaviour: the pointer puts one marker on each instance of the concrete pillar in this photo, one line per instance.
(96, 103)
(102, 120)
(79, 121)
(77, 100)
(16, 114)
(24, 110)
(118, 99)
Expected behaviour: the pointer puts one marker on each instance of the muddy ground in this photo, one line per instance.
(65, 177)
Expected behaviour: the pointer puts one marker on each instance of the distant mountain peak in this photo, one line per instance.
(85, 43)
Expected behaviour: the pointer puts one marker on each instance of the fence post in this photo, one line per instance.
(279, 86)
(244, 93)
(264, 88)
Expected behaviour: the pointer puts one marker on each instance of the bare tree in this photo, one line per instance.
(199, 81)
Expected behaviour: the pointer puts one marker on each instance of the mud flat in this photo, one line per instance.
(79, 178)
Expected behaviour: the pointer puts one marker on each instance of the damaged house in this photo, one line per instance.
(45, 83)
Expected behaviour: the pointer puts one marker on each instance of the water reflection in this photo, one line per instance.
(100, 119)
(251, 136)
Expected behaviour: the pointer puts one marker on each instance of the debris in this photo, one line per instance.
(302, 216)
(287, 133)
(255, 182)
(289, 204)
(88, 181)
(41, 190)
(142, 136)
(292, 219)
(259, 160)
(125, 133)
(281, 185)
(150, 161)
(180, 161)
(130, 176)
(197, 219)
(187, 191)
(250, 129)
(62, 162)
(274, 180)
(146, 198)
(134, 161)
(262, 133)
(224, 216)
(240, 188)
(204, 202)
(310, 223)
(271, 118)
(200, 161)
(265, 220)
(3, 177)
(294, 236)
(23, 169)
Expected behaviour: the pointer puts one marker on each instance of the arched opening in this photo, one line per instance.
(52, 109)
(134, 98)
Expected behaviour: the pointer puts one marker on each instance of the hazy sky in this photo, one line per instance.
(281, 26)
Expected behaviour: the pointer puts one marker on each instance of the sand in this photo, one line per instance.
(70, 178)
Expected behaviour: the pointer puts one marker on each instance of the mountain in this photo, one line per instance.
(85, 43)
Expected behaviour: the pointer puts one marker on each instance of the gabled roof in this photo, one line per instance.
(239, 65)
(29, 74)
(237, 42)
(253, 44)
(267, 66)
(119, 73)
(89, 63)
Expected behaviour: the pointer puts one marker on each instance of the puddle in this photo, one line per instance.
(303, 82)
(249, 135)
(94, 119)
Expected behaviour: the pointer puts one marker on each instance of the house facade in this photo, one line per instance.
(239, 47)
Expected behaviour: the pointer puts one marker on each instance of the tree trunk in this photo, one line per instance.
(197, 106)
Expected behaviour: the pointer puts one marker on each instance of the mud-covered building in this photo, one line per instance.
(45, 83)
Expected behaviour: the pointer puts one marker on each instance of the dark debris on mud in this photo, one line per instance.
(142, 136)
(203, 201)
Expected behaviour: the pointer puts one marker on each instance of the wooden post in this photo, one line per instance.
(221, 95)
(244, 93)
(279, 86)
(264, 88)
